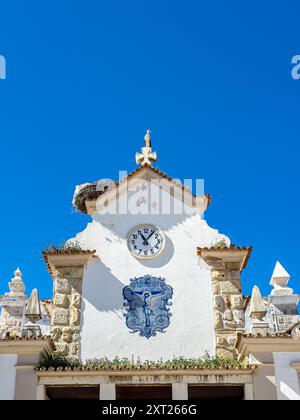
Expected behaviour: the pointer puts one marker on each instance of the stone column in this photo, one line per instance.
(65, 322)
(248, 392)
(107, 392)
(180, 391)
(41, 392)
(25, 354)
(26, 380)
(287, 379)
(67, 272)
(8, 364)
(226, 264)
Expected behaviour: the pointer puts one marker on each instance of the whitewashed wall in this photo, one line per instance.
(103, 328)
(287, 379)
(7, 376)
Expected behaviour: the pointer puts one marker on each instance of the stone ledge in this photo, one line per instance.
(43, 345)
(41, 372)
(296, 366)
(266, 343)
(225, 254)
(67, 259)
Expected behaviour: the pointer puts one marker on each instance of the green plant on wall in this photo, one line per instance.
(205, 362)
(64, 248)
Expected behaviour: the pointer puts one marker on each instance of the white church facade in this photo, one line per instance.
(147, 304)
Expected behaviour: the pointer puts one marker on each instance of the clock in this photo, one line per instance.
(145, 241)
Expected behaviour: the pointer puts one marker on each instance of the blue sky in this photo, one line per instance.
(212, 79)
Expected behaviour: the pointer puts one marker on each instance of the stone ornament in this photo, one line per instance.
(62, 286)
(67, 335)
(228, 315)
(33, 307)
(56, 333)
(219, 303)
(279, 281)
(147, 157)
(76, 336)
(74, 316)
(221, 341)
(230, 287)
(218, 320)
(218, 275)
(216, 289)
(60, 316)
(16, 286)
(74, 349)
(295, 333)
(239, 318)
(237, 302)
(61, 300)
(76, 300)
(12, 306)
(233, 275)
(226, 340)
(31, 329)
(225, 345)
(62, 349)
(257, 306)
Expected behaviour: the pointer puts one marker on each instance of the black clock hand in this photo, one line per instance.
(150, 235)
(145, 240)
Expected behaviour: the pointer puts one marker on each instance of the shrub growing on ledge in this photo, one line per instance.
(206, 362)
(55, 361)
(64, 248)
(221, 244)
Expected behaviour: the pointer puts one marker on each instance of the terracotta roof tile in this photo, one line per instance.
(14, 338)
(270, 335)
(148, 370)
(226, 248)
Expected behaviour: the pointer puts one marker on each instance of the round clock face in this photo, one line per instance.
(145, 241)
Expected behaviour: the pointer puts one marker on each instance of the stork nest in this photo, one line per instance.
(90, 192)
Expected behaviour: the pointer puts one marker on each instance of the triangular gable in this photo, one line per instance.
(146, 173)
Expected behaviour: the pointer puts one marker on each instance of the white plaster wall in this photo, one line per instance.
(287, 379)
(7, 376)
(103, 328)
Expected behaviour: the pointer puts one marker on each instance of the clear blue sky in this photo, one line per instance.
(212, 79)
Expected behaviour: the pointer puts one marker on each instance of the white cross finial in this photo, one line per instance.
(146, 157)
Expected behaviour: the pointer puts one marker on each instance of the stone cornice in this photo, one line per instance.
(44, 346)
(269, 344)
(67, 259)
(149, 372)
(296, 365)
(230, 254)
